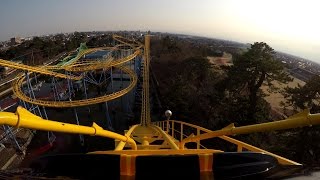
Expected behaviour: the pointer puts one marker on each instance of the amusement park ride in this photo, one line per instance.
(166, 149)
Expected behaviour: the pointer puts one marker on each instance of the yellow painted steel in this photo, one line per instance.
(126, 41)
(24, 119)
(159, 152)
(145, 109)
(126, 59)
(89, 65)
(166, 137)
(299, 120)
(80, 66)
(40, 70)
(121, 144)
(239, 144)
(84, 52)
(77, 66)
(17, 89)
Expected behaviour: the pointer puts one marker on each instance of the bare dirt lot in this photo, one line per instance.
(275, 98)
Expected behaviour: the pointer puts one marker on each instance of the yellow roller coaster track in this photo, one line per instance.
(130, 42)
(75, 62)
(110, 62)
(84, 52)
(36, 70)
(145, 110)
(60, 104)
(76, 66)
(90, 65)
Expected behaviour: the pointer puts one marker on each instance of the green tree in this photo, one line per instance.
(306, 96)
(251, 70)
(190, 91)
(304, 141)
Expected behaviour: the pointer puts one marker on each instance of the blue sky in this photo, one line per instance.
(290, 26)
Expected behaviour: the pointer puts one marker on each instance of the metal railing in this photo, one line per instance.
(172, 126)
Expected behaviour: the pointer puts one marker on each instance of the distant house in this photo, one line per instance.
(15, 40)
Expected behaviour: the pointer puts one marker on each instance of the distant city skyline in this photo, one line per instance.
(287, 26)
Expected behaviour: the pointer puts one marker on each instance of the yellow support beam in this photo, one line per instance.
(159, 152)
(24, 119)
(299, 120)
(238, 143)
(121, 144)
(166, 137)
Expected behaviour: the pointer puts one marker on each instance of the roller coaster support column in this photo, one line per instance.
(23, 103)
(121, 76)
(106, 80)
(70, 88)
(77, 119)
(51, 136)
(85, 90)
(109, 121)
(108, 117)
(8, 131)
(32, 93)
(104, 77)
(35, 78)
(111, 78)
(55, 90)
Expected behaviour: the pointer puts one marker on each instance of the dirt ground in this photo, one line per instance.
(275, 98)
(225, 60)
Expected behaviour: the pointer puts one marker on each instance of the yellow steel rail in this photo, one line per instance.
(84, 52)
(75, 65)
(40, 70)
(24, 119)
(126, 59)
(167, 125)
(126, 41)
(89, 66)
(74, 61)
(19, 93)
(145, 110)
(159, 152)
(299, 120)
(109, 62)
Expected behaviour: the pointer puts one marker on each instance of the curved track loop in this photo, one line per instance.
(89, 65)
(86, 66)
(61, 104)
(74, 65)
(84, 52)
